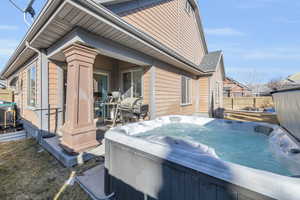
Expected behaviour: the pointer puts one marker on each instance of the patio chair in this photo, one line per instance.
(132, 109)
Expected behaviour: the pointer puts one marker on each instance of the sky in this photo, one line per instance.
(259, 38)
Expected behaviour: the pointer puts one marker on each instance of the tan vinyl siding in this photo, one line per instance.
(204, 94)
(26, 112)
(217, 77)
(168, 92)
(115, 67)
(170, 24)
(108, 65)
(53, 94)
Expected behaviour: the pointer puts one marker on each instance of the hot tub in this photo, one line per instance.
(188, 157)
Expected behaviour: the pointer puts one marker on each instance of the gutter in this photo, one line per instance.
(102, 12)
(29, 35)
(41, 82)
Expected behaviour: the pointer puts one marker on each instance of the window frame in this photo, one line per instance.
(188, 91)
(29, 86)
(136, 69)
(188, 7)
(104, 73)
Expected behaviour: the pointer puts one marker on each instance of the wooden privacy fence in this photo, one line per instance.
(6, 95)
(242, 103)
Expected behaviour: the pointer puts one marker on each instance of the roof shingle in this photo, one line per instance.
(210, 61)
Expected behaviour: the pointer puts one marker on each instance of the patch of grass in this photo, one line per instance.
(26, 173)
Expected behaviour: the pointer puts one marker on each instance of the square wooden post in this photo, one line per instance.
(79, 131)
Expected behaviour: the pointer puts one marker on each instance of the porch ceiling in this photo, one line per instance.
(101, 22)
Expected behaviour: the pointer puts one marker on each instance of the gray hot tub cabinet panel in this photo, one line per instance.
(136, 175)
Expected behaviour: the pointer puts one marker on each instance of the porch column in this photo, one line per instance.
(79, 131)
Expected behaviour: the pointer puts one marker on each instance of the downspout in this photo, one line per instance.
(40, 61)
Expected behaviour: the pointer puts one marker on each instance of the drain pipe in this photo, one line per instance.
(41, 69)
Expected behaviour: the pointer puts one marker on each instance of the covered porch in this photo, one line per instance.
(90, 83)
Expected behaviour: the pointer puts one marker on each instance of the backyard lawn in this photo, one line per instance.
(26, 172)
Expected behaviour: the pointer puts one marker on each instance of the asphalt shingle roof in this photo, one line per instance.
(210, 61)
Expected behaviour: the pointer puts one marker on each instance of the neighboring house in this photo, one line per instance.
(5, 93)
(78, 48)
(233, 88)
(294, 79)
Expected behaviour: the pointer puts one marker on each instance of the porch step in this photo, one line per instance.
(6, 137)
(53, 147)
(92, 182)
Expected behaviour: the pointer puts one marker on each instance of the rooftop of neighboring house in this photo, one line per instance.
(231, 80)
(295, 78)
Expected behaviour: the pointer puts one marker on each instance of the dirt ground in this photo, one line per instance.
(27, 173)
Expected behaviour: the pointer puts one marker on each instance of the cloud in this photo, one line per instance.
(8, 27)
(255, 3)
(287, 20)
(273, 53)
(284, 53)
(223, 32)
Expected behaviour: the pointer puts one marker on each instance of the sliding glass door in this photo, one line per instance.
(132, 83)
(101, 88)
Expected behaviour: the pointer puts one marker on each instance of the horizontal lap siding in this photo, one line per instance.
(170, 24)
(27, 113)
(168, 93)
(115, 67)
(158, 20)
(204, 94)
(109, 65)
(53, 94)
(217, 78)
(190, 45)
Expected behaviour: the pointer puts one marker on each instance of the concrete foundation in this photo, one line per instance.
(52, 145)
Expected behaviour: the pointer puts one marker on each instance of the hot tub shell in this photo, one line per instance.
(138, 169)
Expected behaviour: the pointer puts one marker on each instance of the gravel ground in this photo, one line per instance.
(28, 173)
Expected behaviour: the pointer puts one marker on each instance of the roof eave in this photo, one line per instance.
(50, 5)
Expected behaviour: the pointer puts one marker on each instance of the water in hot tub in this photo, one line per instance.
(237, 143)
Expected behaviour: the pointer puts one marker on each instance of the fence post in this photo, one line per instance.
(232, 105)
(254, 102)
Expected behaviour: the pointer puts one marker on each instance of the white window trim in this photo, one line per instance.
(190, 89)
(188, 7)
(132, 70)
(28, 87)
(104, 73)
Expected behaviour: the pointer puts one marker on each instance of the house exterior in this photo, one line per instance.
(75, 49)
(294, 78)
(233, 88)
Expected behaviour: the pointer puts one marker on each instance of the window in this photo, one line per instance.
(185, 90)
(31, 90)
(188, 7)
(132, 83)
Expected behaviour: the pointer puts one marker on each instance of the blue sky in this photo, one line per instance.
(260, 38)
